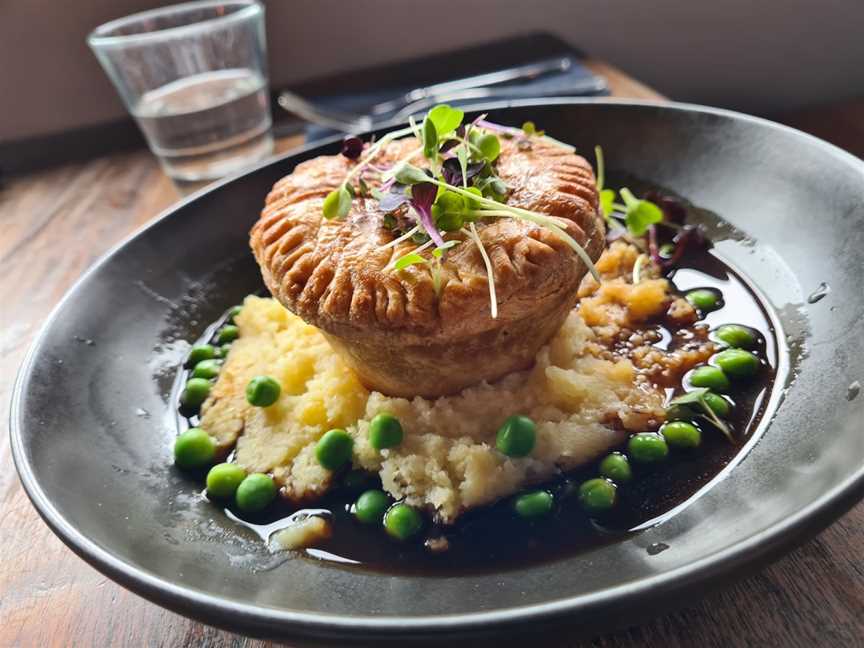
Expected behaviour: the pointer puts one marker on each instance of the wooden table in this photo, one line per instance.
(55, 223)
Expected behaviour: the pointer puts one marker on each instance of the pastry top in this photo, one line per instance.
(337, 275)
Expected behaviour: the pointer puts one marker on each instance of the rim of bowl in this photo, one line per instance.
(750, 550)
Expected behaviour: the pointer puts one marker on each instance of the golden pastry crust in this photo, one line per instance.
(392, 327)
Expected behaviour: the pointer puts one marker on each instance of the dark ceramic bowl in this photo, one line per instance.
(92, 428)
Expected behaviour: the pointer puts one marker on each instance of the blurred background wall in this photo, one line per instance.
(757, 56)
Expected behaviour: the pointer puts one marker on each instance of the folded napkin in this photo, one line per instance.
(577, 80)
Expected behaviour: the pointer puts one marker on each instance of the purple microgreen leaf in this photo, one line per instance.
(447, 145)
(394, 198)
(673, 210)
(352, 147)
(451, 169)
(691, 236)
(422, 197)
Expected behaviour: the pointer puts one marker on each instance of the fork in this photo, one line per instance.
(355, 123)
(420, 98)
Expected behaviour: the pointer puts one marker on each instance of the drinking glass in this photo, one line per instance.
(194, 76)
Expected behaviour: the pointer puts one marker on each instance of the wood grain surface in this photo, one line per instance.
(56, 223)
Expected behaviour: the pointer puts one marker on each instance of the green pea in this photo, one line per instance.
(535, 504)
(385, 431)
(616, 467)
(255, 493)
(227, 333)
(371, 506)
(681, 434)
(516, 437)
(194, 449)
(224, 479)
(199, 353)
(597, 495)
(196, 392)
(262, 391)
(718, 404)
(711, 377)
(222, 351)
(207, 369)
(647, 447)
(233, 312)
(334, 449)
(402, 521)
(737, 363)
(703, 299)
(736, 336)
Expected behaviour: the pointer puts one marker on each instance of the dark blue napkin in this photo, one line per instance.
(577, 80)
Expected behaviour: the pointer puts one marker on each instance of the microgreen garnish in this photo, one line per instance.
(490, 275)
(407, 235)
(418, 134)
(352, 147)
(454, 174)
(530, 129)
(408, 174)
(640, 214)
(487, 144)
(422, 196)
(394, 198)
(601, 167)
(669, 254)
(430, 140)
(408, 260)
(449, 211)
(365, 189)
(637, 268)
(695, 400)
(607, 196)
(445, 118)
(518, 132)
(460, 186)
(462, 157)
(607, 203)
(496, 209)
(415, 258)
(337, 204)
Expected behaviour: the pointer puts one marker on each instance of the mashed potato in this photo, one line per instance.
(583, 396)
